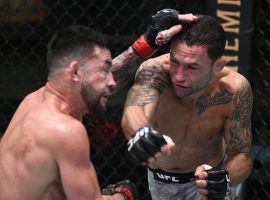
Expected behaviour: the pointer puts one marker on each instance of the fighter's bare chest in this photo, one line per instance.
(184, 123)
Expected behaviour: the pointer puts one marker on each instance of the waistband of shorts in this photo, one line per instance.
(170, 177)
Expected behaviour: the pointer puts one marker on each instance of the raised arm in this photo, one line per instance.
(145, 144)
(151, 80)
(164, 24)
(124, 66)
(238, 135)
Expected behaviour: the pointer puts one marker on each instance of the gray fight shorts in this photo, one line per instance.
(178, 186)
(171, 186)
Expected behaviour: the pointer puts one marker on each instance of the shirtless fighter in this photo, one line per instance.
(204, 107)
(44, 153)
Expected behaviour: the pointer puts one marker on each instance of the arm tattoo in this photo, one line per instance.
(240, 131)
(153, 75)
(150, 82)
(141, 96)
(207, 101)
(124, 67)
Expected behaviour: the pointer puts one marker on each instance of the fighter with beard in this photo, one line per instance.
(45, 151)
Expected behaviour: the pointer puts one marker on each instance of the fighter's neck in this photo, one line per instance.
(193, 98)
(65, 101)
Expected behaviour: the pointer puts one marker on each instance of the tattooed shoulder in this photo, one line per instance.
(141, 96)
(206, 101)
(240, 130)
(243, 101)
(153, 75)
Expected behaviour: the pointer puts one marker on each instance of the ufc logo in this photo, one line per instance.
(140, 133)
(166, 177)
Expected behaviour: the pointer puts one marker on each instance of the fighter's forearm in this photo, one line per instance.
(239, 167)
(124, 67)
(133, 119)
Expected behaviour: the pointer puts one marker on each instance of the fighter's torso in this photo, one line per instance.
(197, 128)
(27, 168)
(198, 137)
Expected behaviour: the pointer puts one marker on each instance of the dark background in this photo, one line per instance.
(26, 26)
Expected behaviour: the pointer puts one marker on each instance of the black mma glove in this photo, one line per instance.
(144, 143)
(164, 19)
(126, 187)
(218, 184)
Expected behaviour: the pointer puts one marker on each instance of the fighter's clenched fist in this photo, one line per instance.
(214, 183)
(146, 143)
(164, 24)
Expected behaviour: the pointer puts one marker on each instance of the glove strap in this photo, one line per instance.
(142, 47)
(126, 192)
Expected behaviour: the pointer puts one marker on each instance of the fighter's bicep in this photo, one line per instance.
(76, 171)
(150, 81)
(238, 133)
(79, 181)
(141, 96)
(153, 75)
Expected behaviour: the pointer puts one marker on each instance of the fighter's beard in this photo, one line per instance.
(98, 109)
(92, 101)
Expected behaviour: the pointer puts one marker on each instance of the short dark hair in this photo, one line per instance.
(75, 41)
(205, 31)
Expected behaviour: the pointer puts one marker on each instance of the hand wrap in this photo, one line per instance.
(147, 44)
(126, 187)
(144, 143)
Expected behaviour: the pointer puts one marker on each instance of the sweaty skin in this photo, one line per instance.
(29, 153)
(205, 120)
(45, 151)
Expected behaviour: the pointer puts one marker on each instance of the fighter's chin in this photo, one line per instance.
(101, 106)
(181, 94)
(103, 103)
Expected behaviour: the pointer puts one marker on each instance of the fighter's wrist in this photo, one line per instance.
(120, 195)
(125, 192)
(125, 189)
(142, 47)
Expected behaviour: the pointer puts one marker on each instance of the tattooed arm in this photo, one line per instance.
(129, 61)
(238, 135)
(124, 66)
(142, 99)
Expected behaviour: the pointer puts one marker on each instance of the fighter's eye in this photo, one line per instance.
(192, 67)
(105, 70)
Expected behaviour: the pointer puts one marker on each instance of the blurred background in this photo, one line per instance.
(26, 26)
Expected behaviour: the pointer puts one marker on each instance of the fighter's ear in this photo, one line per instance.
(219, 64)
(73, 69)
